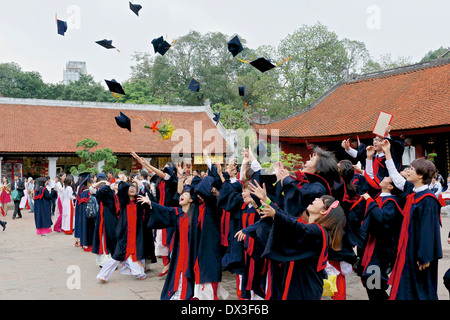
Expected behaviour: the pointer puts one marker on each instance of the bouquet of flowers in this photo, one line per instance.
(165, 130)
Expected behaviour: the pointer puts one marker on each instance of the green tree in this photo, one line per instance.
(385, 62)
(15, 83)
(231, 117)
(318, 59)
(86, 89)
(433, 54)
(138, 92)
(290, 161)
(90, 158)
(204, 57)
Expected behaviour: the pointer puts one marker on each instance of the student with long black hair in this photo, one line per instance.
(42, 209)
(302, 247)
(130, 234)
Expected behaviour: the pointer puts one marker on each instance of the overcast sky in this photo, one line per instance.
(408, 28)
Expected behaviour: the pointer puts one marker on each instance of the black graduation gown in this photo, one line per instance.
(149, 241)
(182, 249)
(42, 208)
(208, 265)
(299, 193)
(131, 221)
(86, 226)
(166, 193)
(270, 279)
(356, 234)
(253, 277)
(419, 241)
(384, 218)
(379, 163)
(230, 201)
(294, 196)
(303, 250)
(106, 221)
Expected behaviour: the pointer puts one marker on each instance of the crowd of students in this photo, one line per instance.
(284, 235)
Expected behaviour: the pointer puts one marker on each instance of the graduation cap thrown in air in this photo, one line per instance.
(135, 8)
(242, 92)
(194, 86)
(160, 45)
(216, 117)
(235, 46)
(269, 180)
(123, 121)
(62, 26)
(114, 86)
(262, 64)
(106, 44)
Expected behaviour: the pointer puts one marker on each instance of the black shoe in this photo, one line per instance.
(3, 224)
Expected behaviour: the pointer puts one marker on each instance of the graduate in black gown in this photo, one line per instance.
(86, 226)
(397, 146)
(303, 247)
(415, 273)
(208, 264)
(42, 207)
(130, 234)
(104, 238)
(180, 279)
(165, 189)
(321, 170)
(382, 222)
(149, 243)
(231, 201)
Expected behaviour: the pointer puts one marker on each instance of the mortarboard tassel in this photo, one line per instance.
(248, 62)
(283, 61)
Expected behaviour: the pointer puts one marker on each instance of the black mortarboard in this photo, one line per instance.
(242, 92)
(135, 8)
(123, 121)
(262, 64)
(216, 117)
(114, 86)
(62, 26)
(106, 44)
(194, 86)
(160, 45)
(83, 178)
(235, 46)
(269, 180)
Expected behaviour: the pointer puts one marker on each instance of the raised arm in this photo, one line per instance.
(396, 177)
(370, 151)
(147, 165)
(180, 172)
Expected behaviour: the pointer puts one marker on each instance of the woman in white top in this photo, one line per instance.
(58, 210)
(30, 193)
(67, 198)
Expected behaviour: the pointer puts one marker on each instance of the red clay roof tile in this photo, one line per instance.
(417, 99)
(56, 129)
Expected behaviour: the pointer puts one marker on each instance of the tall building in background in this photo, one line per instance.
(73, 70)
